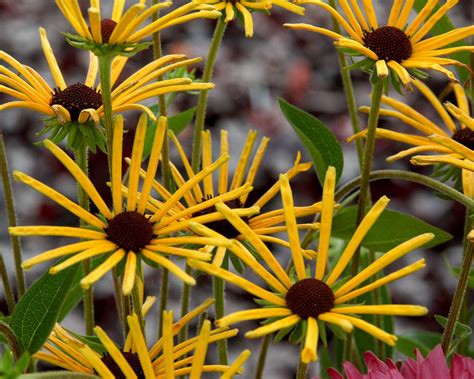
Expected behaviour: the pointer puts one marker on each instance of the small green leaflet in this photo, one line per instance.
(423, 341)
(391, 229)
(37, 311)
(317, 138)
(176, 124)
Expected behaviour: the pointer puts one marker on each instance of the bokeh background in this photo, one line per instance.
(250, 75)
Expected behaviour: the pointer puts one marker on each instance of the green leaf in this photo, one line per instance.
(390, 229)
(37, 311)
(460, 330)
(317, 138)
(176, 124)
(423, 341)
(442, 26)
(58, 375)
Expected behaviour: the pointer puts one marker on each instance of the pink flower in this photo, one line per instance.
(434, 366)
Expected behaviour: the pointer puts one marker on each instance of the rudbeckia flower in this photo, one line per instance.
(127, 232)
(135, 360)
(245, 7)
(451, 143)
(398, 45)
(234, 190)
(311, 298)
(80, 102)
(127, 28)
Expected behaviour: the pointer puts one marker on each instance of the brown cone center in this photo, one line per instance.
(309, 298)
(107, 26)
(75, 98)
(389, 43)
(130, 230)
(464, 136)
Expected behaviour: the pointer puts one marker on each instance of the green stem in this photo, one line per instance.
(80, 156)
(120, 302)
(458, 297)
(163, 298)
(185, 294)
(262, 356)
(348, 89)
(10, 205)
(6, 286)
(137, 305)
(105, 66)
(302, 370)
(407, 176)
(12, 341)
(202, 102)
(218, 285)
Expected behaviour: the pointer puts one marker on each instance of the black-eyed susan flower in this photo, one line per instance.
(398, 45)
(122, 33)
(321, 296)
(135, 360)
(451, 143)
(127, 232)
(231, 8)
(234, 190)
(80, 102)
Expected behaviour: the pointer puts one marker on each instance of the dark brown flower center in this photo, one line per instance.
(223, 227)
(130, 230)
(309, 298)
(132, 360)
(464, 136)
(389, 43)
(76, 98)
(107, 26)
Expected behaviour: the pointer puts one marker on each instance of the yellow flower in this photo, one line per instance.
(125, 232)
(244, 8)
(163, 360)
(398, 45)
(234, 191)
(319, 297)
(452, 144)
(127, 27)
(80, 102)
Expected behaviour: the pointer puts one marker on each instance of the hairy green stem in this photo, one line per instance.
(105, 66)
(163, 298)
(6, 286)
(137, 306)
(262, 356)
(185, 295)
(354, 184)
(202, 102)
(11, 214)
(458, 297)
(80, 156)
(218, 285)
(120, 302)
(302, 370)
(348, 89)
(12, 341)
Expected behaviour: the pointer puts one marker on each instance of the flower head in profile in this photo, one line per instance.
(81, 102)
(310, 299)
(452, 142)
(433, 366)
(398, 46)
(127, 232)
(234, 190)
(244, 9)
(135, 360)
(122, 33)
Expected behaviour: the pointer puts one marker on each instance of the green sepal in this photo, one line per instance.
(299, 331)
(322, 332)
(337, 330)
(92, 341)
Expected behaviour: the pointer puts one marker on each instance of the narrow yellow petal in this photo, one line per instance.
(61, 113)
(454, 146)
(257, 160)
(53, 64)
(425, 160)
(383, 309)
(248, 21)
(168, 344)
(357, 46)
(89, 114)
(444, 39)
(273, 327)
(63, 231)
(115, 353)
(98, 249)
(468, 183)
(394, 12)
(116, 177)
(389, 257)
(170, 266)
(292, 229)
(432, 19)
(229, 12)
(180, 252)
(235, 367)
(350, 16)
(359, 15)
(252, 314)
(382, 69)
(315, 29)
(461, 114)
(326, 221)
(27, 104)
(99, 366)
(200, 350)
(118, 10)
(137, 153)
(402, 74)
(224, 170)
(356, 239)
(129, 273)
(334, 318)
(374, 331)
(80, 177)
(140, 346)
(102, 269)
(310, 347)
(243, 159)
(404, 14)
(126, 25)
(370, 13)
(206, 161)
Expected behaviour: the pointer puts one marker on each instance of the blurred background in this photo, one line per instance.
(250, 75)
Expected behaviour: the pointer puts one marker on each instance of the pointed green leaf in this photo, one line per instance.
(320, 142)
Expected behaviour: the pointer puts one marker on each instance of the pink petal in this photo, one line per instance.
(334, 374)
(434, 366)
(351, 371)
(462, 367)
(409, 369)
(374, 363)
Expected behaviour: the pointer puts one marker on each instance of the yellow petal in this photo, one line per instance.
(200, 350)
(309, 351)
(273, 327)
(102, 269)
